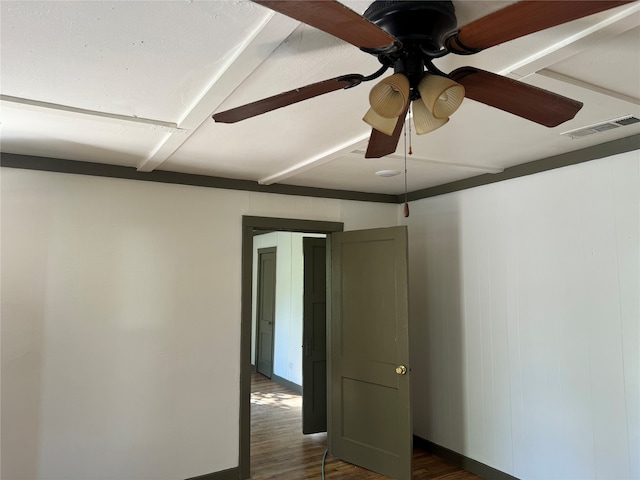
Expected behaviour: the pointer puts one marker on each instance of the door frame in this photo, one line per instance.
(262, 251)
(249, 225)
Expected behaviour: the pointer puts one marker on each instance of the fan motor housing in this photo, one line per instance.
(414, 23)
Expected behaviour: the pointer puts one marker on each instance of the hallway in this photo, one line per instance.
(279, 450)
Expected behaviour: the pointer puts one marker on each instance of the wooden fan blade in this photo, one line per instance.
(523, 18)
(336, 19)
(526, 101)
(283, 99)
(381, 144)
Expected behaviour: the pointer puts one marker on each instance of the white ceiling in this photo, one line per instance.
(134, 83)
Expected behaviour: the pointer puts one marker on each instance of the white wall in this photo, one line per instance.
(525, 321)
(121, 322)
(287, 361)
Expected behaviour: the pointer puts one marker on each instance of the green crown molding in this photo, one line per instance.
(57, 165)
(595, 152)
(161, 176)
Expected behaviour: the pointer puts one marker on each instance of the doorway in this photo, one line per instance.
(251, 225)
(368, 344)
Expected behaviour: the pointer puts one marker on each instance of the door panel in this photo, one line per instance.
(370, 402)
(314, 359)
(266, 311)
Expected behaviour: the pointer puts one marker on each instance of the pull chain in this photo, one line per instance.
(410, 148)
(406, 203)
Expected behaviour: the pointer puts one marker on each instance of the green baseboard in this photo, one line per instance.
(469, 464)
(230, 474)
(473, 466)
(286, 383)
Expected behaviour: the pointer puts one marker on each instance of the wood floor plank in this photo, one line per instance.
(280, 451)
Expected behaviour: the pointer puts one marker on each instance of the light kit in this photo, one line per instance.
(435, 98)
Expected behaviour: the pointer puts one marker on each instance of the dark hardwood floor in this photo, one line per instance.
(279, 450)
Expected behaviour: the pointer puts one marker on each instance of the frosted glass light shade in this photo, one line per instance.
(441, 95)
(424, 120)
(380, 123)
(390, 95)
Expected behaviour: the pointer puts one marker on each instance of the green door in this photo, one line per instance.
(314, 336)
(370, 408)
(266, 310)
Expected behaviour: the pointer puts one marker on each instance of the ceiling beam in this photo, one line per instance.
(315, 161)
(616, 24)
(247, 57)
(350, 149)
(413, 158)
(29, 104)
(588, 86)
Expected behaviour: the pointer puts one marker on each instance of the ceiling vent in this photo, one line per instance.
(602, 127)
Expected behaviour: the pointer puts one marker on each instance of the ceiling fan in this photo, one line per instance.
(407, 36)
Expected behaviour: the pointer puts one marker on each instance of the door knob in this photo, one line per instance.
(401, 370)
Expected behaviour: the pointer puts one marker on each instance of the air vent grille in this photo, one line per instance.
(602, 127)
